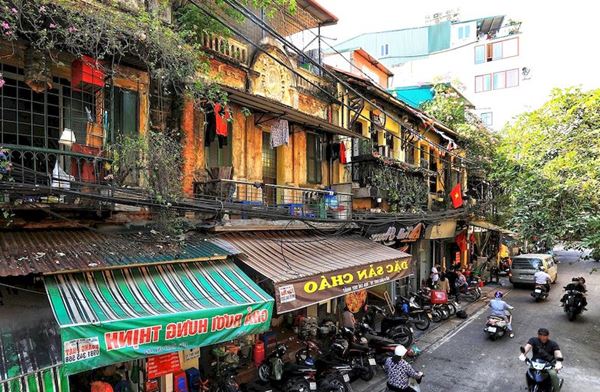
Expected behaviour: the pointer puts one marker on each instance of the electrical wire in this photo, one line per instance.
(249, 14)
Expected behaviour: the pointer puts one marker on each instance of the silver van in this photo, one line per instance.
(524, 267)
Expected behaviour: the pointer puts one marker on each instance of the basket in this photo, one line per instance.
(439, 297)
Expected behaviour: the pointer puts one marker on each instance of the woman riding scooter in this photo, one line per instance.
(502, 309)
(399, 371)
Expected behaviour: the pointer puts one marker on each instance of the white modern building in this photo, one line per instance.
(484, 56)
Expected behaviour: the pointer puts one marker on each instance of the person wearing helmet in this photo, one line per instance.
(577, 284)
(502, 309)
(399, 371)
(542, 278)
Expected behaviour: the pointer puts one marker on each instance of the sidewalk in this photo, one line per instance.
(436, 333)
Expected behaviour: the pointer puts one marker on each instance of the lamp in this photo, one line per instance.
(67, 137)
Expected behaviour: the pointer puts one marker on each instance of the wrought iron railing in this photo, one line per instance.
(54, 176)
(279, 200)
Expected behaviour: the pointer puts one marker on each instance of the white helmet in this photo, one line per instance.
(400, 350)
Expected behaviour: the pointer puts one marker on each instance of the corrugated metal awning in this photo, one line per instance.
(307, 269)
(53, 251)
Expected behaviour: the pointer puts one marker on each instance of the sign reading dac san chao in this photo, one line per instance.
(91, 346)
(299, 293)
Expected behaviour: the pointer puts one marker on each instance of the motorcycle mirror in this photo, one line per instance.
(522, 350)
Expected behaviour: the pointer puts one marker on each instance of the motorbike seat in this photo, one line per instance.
(379, 340)
(359, 347)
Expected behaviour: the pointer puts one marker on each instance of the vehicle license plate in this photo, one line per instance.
(538, 290)
(346, 378)
(312, 386)
(492, 329)
(372, 361)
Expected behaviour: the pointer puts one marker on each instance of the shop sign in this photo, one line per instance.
(159, 365)
(318, 288)
(395, 233)
(194, 353)
(90, 346)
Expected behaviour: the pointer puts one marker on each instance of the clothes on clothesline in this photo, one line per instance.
(280, 133)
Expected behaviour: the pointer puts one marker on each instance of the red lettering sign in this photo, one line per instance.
(160, 365)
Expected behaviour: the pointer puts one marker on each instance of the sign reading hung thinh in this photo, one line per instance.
(122, 314)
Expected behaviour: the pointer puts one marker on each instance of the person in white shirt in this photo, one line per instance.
(434, 276)
(542, 278)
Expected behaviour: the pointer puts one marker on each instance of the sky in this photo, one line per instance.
(561, 36)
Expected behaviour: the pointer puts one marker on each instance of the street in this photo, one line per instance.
(467, 361)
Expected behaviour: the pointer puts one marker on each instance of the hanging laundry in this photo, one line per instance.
(333, 151)
(280, 133)
(221, 119)
(343, 157)
(210, 132)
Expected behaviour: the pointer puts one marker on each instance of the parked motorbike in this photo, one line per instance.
(382, 347)
(539, 293)
(333, 375)
(225, 380)
(573, 303)
(289, 377)
(357, 353)
(415, 314)
(538, 379)
(496, 327)
(391, 326)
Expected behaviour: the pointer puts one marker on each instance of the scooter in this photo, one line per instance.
(496, 327)
(285, 375)
(383, 347)
(538, 379)
(358, 354)
(573, 303)
(415, 383)
(392, 327)
(539, 293)
(333, 375)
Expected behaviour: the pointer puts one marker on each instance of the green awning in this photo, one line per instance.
(112, 316)
(45, 380)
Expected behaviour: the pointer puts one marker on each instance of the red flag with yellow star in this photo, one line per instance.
(456, 196)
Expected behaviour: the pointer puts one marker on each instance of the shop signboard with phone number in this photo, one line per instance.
(91, 346)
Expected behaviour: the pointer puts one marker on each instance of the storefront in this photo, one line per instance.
(443, 247)
(406, 238)
(135, 325)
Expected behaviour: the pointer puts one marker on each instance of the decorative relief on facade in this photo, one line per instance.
(272, 79)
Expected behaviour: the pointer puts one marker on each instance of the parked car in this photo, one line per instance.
(525, 266)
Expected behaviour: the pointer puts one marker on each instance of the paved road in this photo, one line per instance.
(466, 361)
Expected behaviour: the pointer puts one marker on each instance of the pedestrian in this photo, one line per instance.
(452, 276)
(399, 371)
(443, 284)
(546, 350)
(434, 276)
(348, 320)
(461, 281)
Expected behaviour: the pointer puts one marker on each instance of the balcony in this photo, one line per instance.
(226, 47)
(33, 175)
(260, 200)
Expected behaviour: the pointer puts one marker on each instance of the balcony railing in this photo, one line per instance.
(226, 47)
(258, 199)
(53, 176)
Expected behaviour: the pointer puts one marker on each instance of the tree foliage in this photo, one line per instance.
(549, 166)
(452, 109)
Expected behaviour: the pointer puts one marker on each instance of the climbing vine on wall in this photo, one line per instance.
(404, 192)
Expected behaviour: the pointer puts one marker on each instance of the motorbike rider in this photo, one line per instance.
(502, 309)
(547, 350)
(542, 278)
(577, 284)
(399, 371)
